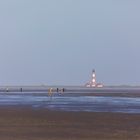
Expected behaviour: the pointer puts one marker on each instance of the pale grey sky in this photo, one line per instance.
(59, 42)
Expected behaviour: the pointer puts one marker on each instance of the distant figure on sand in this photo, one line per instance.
(7, 89)
(50, 91)
(62, 90)
(57, 90)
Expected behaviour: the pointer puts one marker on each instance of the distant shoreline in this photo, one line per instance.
(78, 91)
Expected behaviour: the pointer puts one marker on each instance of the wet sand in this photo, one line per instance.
(25, 123)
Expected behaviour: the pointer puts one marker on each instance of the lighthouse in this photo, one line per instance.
(92, 82)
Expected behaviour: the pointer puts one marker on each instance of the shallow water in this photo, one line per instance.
(74, 103)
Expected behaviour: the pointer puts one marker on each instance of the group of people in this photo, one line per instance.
(50, 90)
(59, 91)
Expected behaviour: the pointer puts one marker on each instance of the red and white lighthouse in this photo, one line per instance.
(93, 82)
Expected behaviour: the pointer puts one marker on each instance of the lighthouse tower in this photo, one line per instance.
(93, 82)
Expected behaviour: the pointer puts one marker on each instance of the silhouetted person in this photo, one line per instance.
(7, 89)
(63, 90)
(57, 90)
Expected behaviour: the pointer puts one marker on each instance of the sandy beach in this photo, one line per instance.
(25, 123)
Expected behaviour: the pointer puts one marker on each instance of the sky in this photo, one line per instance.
(59, 42)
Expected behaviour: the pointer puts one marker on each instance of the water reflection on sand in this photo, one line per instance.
(74, 103)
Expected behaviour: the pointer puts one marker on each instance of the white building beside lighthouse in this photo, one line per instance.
(93, 83)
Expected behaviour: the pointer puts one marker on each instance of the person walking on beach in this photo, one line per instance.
(63, 90)
(7, 89)
(50, 91)
(57, 90)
